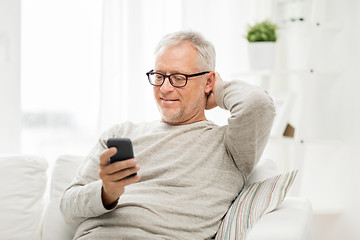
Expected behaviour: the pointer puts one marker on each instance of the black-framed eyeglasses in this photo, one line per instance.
(175, 79)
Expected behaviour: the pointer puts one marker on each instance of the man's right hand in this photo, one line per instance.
(113, 177)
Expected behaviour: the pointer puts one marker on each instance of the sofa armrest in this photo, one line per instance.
(22, 186)
(292, 220)
(54, 226)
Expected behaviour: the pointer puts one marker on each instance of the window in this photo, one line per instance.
(60, 72)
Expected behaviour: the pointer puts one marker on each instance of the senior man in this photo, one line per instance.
(191, 169)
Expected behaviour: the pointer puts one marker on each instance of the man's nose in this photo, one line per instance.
(166, 87)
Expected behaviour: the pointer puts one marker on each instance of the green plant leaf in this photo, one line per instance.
(264, 31)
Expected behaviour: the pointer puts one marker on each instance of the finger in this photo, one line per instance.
(121, 175)
(130, 180)
(118, 177)
(211, 102)
(218, 75)
(119, 166)
(105, 156)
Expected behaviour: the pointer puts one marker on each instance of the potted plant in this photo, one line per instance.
(262, 37)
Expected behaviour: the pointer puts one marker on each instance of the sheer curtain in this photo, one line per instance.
(60, 71)
(131, 30)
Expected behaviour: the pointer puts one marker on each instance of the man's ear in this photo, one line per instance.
(210, 81)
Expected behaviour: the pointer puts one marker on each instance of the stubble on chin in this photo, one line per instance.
(180, 115)
(172, 117)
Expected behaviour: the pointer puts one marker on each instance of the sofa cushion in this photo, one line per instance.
(23, 183)
(291, 220)
(54, 226)
(266, 168)
(254, 201)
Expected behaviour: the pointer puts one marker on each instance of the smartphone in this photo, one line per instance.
(124, 150)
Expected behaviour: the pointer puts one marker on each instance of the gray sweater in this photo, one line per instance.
(190, 174)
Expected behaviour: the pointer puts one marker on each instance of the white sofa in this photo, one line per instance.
(28, 211)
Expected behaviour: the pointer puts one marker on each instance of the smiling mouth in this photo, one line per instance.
(169, 100)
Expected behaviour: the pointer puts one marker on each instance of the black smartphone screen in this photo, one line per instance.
(124, 150)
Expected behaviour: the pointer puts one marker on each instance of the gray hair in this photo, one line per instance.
(206, 50)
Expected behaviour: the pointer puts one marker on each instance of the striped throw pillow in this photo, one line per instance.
(253, 202)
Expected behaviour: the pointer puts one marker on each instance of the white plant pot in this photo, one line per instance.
(261, 55)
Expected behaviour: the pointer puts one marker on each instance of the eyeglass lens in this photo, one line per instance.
(177, 80)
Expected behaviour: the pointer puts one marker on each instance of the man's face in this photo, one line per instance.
(186, 104)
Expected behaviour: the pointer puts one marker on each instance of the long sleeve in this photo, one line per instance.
(82, 199)
(189, 173)
(252, 113)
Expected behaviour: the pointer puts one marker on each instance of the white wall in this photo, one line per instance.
(331, 178)
(10, 116)
(331, 130)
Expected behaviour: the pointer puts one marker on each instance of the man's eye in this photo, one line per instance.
(179, 78)
(158, 77)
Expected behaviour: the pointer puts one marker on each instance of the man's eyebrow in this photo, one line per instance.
(172, 72)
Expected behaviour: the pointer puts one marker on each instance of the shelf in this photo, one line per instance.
(263, 73)
(267, 73)
(326, 208)
(324, 141)
(283, 140)
(309, 141)
(327, 26)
